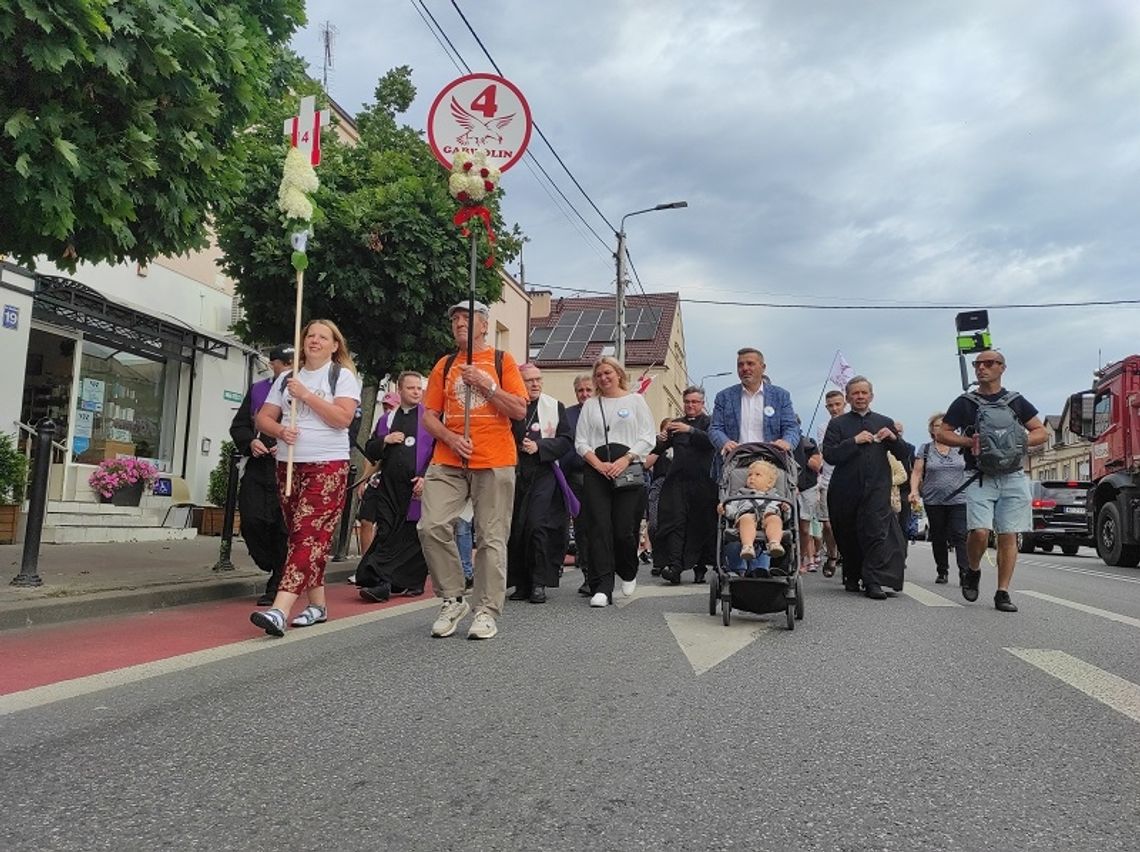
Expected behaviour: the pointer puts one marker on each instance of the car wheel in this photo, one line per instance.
(1069, 549)
(1024, 543)
(1110, 544)
(1047, 548)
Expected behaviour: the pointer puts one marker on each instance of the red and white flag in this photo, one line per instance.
(841, 371)
(643, 383)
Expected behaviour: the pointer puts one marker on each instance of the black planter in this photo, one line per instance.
(131, 495)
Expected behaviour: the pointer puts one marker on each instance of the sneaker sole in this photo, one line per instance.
(262, 620)
(477, 636)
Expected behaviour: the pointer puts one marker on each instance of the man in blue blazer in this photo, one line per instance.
(753, 411)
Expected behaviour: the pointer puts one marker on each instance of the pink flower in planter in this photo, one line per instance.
(115, 474)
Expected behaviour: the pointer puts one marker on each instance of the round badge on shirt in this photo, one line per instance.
(410, 441)
(623, 412)
(534, 427)
(769, 411)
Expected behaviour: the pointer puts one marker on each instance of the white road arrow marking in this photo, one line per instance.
(621, 600)
(925, 596)
(1080, 607)
(707, 642)
(1121, 695)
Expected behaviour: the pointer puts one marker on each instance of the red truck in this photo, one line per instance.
(1109, 416)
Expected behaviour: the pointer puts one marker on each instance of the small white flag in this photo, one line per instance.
(841, 371)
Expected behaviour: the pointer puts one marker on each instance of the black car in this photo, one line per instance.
(1059, 517)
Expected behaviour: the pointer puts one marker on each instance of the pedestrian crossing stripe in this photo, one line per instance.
(1080, 607)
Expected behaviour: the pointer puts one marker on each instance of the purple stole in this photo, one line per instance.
(258, 392)
(425, 443)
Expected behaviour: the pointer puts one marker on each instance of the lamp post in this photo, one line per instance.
(713, 376)
(619, 347)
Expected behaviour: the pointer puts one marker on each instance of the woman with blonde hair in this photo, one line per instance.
(327, 392)
(615, 431)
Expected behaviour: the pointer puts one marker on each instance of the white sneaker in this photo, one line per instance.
(450, 614)
(483, 626)
(628, 587)
(600, 599)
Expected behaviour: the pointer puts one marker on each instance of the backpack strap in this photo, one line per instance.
(447, 365)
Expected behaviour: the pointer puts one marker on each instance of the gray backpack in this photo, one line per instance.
(1002, 440)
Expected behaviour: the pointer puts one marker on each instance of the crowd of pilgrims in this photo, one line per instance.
(524, 484)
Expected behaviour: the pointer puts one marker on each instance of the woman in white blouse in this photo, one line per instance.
(615, 429)
(327, 392)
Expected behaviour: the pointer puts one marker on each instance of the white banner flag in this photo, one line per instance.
(841, 371)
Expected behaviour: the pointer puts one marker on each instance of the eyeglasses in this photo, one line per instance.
(986, 362)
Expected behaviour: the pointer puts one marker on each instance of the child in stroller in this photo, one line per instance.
(748, 509)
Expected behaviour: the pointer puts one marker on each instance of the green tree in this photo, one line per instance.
(385, 260)
(117, 119)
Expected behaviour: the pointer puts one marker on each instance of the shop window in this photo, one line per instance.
(126, 405)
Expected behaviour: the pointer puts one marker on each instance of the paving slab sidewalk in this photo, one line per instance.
(93, 580)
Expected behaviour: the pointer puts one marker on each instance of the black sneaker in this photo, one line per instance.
(1002, 603)
(942, 579)
(970, 585)
(468, 583)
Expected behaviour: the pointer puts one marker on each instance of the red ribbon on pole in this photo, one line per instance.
(477, 212)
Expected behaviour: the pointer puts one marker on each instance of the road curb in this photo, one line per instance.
(58, 610)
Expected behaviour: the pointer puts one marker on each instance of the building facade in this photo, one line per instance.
(1064, 456)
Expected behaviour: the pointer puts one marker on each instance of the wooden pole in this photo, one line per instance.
(296, 368)
(470, 340)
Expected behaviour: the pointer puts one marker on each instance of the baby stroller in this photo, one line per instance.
(780, 588)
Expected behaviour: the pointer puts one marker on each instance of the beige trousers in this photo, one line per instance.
(492, 494)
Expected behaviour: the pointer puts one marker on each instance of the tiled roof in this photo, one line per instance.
(640, 353)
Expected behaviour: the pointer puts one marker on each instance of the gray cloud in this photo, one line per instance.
(950, 154)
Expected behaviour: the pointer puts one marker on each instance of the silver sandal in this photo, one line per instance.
(310, 615)
(272, 621)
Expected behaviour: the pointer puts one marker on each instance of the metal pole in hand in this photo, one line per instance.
(345, 519)
(37, 502)
(296, 366)
(227, 545)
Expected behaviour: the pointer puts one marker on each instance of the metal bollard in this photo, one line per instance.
(225, 548)
(37, 504)
(345, 520)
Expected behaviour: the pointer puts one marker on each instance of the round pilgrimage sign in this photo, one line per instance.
(479, 112)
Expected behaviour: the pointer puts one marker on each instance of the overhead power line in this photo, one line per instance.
(1092, 303)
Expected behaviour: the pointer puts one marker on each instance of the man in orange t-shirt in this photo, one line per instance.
(480, 467)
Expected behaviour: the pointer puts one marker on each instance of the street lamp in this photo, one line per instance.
(619, 348)
(713, 376)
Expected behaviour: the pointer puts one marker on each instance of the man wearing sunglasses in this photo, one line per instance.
(994, 501)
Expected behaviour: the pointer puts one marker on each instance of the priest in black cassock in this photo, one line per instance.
(395, 563)
(686, 510)
(543, 500)
(859, 495)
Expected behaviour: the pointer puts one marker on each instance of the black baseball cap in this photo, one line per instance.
(282, 353)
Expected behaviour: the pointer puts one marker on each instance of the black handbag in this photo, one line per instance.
(634, 474)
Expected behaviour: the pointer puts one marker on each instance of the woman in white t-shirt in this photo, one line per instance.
(320, 467)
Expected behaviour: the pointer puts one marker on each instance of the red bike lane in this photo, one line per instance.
(39, 656)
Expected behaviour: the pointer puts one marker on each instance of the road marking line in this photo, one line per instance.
(925, 596)
(670, 591)
(1087, 571)
(1091, 610)
(16, 702)
(1121, 695)
(707, 642)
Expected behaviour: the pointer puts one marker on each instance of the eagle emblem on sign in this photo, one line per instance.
(478, 131)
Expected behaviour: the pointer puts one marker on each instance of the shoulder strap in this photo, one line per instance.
(334, 375)
(605, 428)
(498, 364)
(447, 365)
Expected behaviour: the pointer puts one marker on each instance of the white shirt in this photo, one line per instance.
(317, 441)
(629, 420)
(752, 415)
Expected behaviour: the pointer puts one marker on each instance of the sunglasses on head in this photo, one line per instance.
(986, 362)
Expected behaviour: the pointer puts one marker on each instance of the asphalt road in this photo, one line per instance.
(917, 723)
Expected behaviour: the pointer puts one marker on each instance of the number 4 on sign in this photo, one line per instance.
(304, 129)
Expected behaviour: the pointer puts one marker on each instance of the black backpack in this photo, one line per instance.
(357, 417)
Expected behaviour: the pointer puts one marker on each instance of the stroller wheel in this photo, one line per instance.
(714, 591)
(791, 616)
(726, 610)
(799, 599)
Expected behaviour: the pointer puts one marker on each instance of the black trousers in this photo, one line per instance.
(614, 520)
(947, 528)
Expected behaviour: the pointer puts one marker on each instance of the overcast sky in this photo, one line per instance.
(952, 154)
